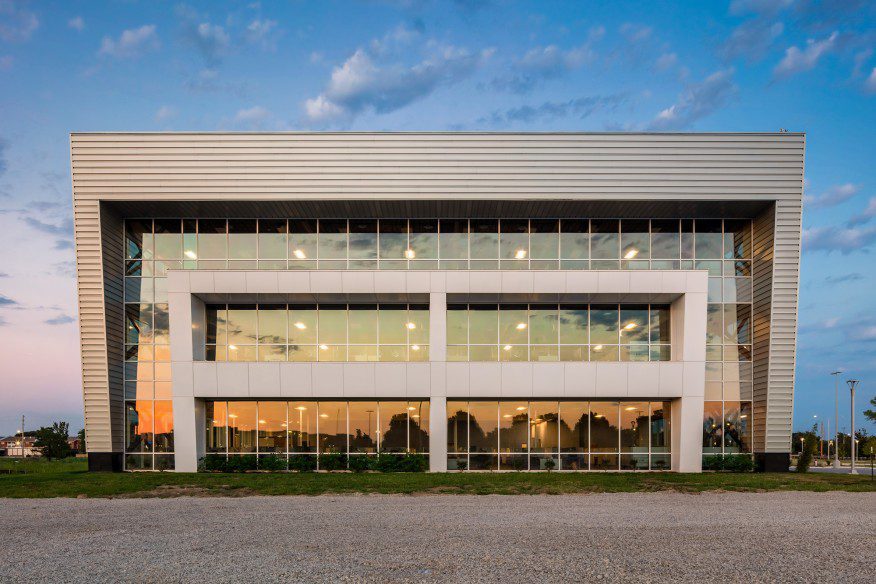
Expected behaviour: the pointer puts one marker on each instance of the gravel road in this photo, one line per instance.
(661, 537)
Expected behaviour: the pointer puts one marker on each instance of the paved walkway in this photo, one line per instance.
(659, 537)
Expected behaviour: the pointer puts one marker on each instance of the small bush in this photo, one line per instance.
(214, 463)
(738, 463)
(242, 463)
(413, 462)
(302, 462)
(360, 463)
(333, 461)
(461, 464)
(272, 462)
(713, 462)
(549, 464)
(808, 452)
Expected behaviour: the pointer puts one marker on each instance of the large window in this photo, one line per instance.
(324, 332)
(310, 427)
(558, 332)
(565, 435)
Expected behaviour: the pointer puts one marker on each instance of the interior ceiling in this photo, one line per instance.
(450, 209)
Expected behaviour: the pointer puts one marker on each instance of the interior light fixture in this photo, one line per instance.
(232, 347)
(411, 408)
(300, 326)
(300, 408)
(415, 347)
(191, 255)
(507, 416)
(521, 408)
(630, 408)
(507, 347)
(323, 347)
(323, 415)
(520, 255)
(299, 254)
(232, 416)
(521, 326)
(631, 254)
(597, 348)
(261, 421)
(411, 326)
(630, 326)
(410, 254)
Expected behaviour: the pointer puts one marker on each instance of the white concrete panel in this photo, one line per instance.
(390, 281)
(180, 317)
(548, 379)
(326, 281)
(391, 379)
(580, 282)
(358, 379)
(262, 282)
(695, 318)
(611, 380)
(671, 380)
(484, 380)
(437, 282)
(483, 282)
(185, 435)
(580, 379)
(205, 379)
(183, 376)
(264, 380)
(233, 379)
(673, 282)
(458, 282)
(549, 282)
(328, 380)
(697, 283)
(645, 282)
(438, 379)
(419, 380)
(610, 282)
(296, 380)
(438, 327)
(514, 282)
(229, 282)
(438, 434)
(458, 380)
(516, 380)
(178, 281)
(694, 380)
(355, 282)
(294, 282)
(643, 380)
(201, 282)
(686, 436)
(417, 282)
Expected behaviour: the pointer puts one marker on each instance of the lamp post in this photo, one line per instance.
(836, 462)
(852, 383)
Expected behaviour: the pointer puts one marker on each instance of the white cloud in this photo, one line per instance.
(842, 239)
(696, 102)
(76, 23)
(666, 61)
(263, 33)
(797, 60)
(17, 24)
(165, 113)
(253, 115)
(870, 84)
(752, 39)
(210, 39)
(833, 196)
(759, 6)
(867, 215)
(132, 43)
(384, 80)
(635, 33)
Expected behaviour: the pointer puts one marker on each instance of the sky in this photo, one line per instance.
(738, 65)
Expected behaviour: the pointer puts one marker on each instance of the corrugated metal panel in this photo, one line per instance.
(466, 172)
(762, 272)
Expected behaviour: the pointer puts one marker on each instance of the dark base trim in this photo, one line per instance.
(105, 461)
(772, 461)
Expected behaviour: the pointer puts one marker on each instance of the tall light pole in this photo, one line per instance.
(836, 462)
(852, 383)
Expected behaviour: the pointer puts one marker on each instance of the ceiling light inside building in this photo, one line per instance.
(299, 254)
(300, 326)
(410, 254)
(631, 254)
(191, 255)
(630, 326)
(520, 255)
(411, 326)
(521, 326)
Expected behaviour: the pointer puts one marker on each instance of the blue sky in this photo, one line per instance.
(741, 65)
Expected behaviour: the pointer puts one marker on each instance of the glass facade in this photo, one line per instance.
(314, 428)
(324, 332)
(552, 332)
(723, 247)
(562, 435)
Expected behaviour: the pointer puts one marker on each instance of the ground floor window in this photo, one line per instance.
(562, 435)
(316, 428)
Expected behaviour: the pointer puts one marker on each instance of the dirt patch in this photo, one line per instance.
(173, 491)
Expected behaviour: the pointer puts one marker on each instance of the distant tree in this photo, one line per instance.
(871, 414)
(53, 440)
(810, 444)
(81, 437)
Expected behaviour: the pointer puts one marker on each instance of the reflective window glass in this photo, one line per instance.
(303, 241)
(573, 324)
(272, 324)
(362, 322)
(212, 239)
(483, 324)
(138, 239)
(635, 239)
(363, 426)
(272, 239)
(604, 417)
(168, 239)
(661, 415)
(604, 324)
(712, 427)
(574, 426)
(483, 426)
(457, 426)
(242, 325)
(332, 324)
(302, 426)
(332, 240)
(454, 238)
(544, 238)
(634, 426)
(484, 239)
(543, 325)
(394, 239)
(394, 425)
(242, 423)
(423, 239)
(708, 238)
(575, 239)
(302, 324)
(332, 426)
(363, 239)
(242, 239)
(737, 239)
(513, 426)
(393, 324)
(272, 426)
(418, 426)
(634, 324)
(605, 238)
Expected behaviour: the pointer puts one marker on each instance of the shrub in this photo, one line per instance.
(333, 461)
(549, 464)
(214, 463)
(413, 462)
(461, 464)
(272, 462)
(242, 463)
(302, 462)
(361, 463)
(738, 463)
(713, 462)
(806, 455)
(387, 462)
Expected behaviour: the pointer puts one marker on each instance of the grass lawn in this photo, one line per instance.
(69, 478)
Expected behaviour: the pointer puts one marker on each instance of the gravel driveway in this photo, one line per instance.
(661, 537)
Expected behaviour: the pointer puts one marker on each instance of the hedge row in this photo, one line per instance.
(307, 463)
(729, 463)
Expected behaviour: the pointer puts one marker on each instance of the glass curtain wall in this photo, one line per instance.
(564, 332)
(562, 435)
(325, 332)
(315, 428)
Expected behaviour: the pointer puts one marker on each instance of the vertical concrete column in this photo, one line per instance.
(687, 434)
(438, 401)
(189, 433)
(438, 434)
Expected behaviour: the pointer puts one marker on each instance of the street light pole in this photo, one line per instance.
(836, 462)
(852, 383)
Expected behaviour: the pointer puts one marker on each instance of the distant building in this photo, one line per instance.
(18, 446)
